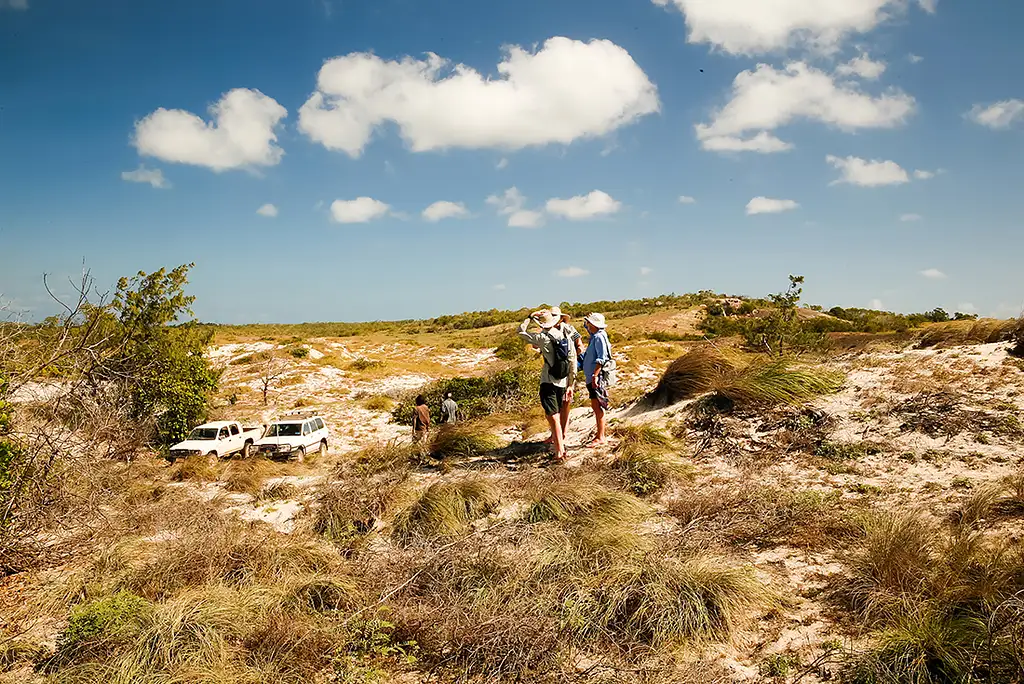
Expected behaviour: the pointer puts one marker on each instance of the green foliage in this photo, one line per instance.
(512, 348)
(503, 390)
(646, 470)
(159, 359)
(299, 352)
(362, 364)
(110, 617)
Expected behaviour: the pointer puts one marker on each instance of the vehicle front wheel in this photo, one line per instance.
(247, 450)
(300, 455)
(322, 449)
(212, 458)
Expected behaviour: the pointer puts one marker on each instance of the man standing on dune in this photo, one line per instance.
(596, 360)
(554, 378)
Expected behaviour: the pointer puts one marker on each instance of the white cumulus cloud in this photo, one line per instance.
(572, 272)
(565, 91)
(997, 115)
(876, 304)
(499, 286)
(154, 177)
(915, 59)
(910, 218)
(766, 98)
(646, 270)
(242, 133)
(14, 4)
(766, 205)
(863, 67)
(359, 210)
(594, 204)
(502, 164)
(933, 273)
(512, 203)
(867, 173)
(921, 174)
(268, 210)
(760, 26)
(442, 210)
(686, 199)
(929, 6)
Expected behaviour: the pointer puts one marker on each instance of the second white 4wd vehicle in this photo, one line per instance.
(295, 436)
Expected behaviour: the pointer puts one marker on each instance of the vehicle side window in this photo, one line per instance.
(319, 424)
(305, 428)
(224, 433)
(234, 429)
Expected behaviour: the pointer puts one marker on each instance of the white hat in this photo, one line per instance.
(545, 318)
(557, 313)
(596, 320)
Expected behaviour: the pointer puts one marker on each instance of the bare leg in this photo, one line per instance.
(599, 419)
(564, 415)
(556, 435)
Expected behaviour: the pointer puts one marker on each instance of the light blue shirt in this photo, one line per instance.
(598, 351)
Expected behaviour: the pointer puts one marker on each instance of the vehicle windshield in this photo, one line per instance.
(203, 433)
(285, 430)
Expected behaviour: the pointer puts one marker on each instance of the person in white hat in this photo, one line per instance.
(576, 352)
(595, 359)
(554, 379)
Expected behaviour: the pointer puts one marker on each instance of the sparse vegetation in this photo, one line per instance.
(464, 440)
(447, 508)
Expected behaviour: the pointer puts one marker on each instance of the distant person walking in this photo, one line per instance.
(420, 419)
(449, 410)
(554, 378)
(575, 353)
(596, 362)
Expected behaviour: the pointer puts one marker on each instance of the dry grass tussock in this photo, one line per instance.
(464, 440)
(936, 598)
(212, 549)
(447, 508)
(644, 459)
(758, 382)
(991, 502)
(346, 511)
(955, 333)
(762, 515)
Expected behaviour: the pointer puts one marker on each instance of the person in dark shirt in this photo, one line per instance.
(420, 419)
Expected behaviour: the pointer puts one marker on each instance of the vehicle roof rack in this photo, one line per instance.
(300, 415)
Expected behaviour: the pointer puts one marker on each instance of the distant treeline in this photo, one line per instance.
(474, 320)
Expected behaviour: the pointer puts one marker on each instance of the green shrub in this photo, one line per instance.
(379, 403)
(110, 617)
(504, 390)
(362, 364)
(299, 352)
(512, 348)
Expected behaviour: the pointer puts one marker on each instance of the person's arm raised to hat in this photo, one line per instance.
(532, 338)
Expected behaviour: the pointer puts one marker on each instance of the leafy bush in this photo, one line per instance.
(363, 364)
(299, 352)
(512, 348)
(108, 618)
(379, 403)
(504, 390)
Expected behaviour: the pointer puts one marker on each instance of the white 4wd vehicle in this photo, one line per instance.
(218, 439)
(295, 436)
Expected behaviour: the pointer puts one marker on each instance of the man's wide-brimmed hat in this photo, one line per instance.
(545, 318)
(596, 320)
(557, 313)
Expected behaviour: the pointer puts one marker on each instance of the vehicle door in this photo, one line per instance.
(224, 441)
(236, 440)
(321, 429)
(307, 435)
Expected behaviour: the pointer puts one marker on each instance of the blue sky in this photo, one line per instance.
(874, 146)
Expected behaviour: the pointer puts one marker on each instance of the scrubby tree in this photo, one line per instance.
(269, 369)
